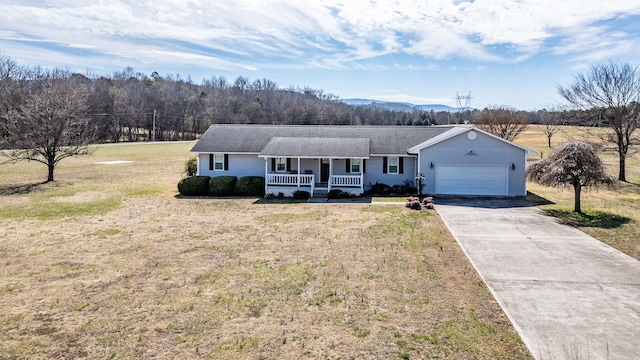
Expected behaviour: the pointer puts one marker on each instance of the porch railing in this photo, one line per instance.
(290, 179)
(346, 181)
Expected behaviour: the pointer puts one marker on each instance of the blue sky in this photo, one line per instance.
(504, 52)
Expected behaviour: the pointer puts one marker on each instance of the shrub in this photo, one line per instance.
(222, 185)
(337, 194)
(378, 189)
(194, 186)
(405, 189)
(250, 186)
(301, 195)
(428, 202)
(413, 202)
(191, 166)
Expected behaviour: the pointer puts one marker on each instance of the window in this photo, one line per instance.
(392, 165)
(281, 164)
(356, 165)
(218, 162)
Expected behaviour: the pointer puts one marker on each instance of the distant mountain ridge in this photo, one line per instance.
(400, 106)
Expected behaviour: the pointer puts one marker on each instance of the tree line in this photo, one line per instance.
(47, 115)
(132, 106)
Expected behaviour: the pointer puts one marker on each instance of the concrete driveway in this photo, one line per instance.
(568, 295)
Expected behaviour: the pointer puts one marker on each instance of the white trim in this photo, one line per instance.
(311, 157)
(214, 162)
(351, 164)
(398, 155)
(457, 130)
(218, 152)
(397, 165)
(285, 165)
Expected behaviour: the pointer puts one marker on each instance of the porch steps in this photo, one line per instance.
(322, 193)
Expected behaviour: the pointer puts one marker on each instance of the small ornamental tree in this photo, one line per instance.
(574, 163)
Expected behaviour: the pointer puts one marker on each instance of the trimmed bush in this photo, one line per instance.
(378, 189)
(337, 194)
(194, 186)
(250, 186)
(222, 185)
(301, 195)
(413, 202)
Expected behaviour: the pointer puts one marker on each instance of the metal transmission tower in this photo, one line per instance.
(464, 105)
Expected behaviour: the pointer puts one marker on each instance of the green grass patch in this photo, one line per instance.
(589, 218)
(293, 217)
(389, 199)
(10, 320)
(382, 209)
(105, 232)
(59, 210)
(143, 191)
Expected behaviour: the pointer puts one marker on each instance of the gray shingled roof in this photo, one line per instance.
(317, 147)
(383, 140)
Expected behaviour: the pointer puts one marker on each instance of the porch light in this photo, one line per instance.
(431, 165)
(513, 166)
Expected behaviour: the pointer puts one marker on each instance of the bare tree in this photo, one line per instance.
(574, 163)
(502, 121)
(615, 89)
(550, 121)
(51, 123)
(11, 76)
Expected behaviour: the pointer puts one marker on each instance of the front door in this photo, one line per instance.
(324, 170)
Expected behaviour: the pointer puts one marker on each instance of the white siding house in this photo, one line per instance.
(458, 160)
(468, 161)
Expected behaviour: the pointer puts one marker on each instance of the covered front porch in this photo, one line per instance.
(314, 165)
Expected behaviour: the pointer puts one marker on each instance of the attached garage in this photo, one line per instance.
(472, 179)
(468, 161)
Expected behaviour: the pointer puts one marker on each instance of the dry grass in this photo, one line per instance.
(108, 263)
(610, 215)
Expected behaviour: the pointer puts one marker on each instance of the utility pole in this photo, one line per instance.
(464, 106)
(153, 134)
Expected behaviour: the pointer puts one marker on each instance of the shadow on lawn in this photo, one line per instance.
(21, 189)
(536, 200)
(596, 219)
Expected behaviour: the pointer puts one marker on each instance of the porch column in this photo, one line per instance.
(330, 173)
(266, 175)
(298, 172)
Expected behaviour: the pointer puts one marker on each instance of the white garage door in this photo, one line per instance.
(472, 179)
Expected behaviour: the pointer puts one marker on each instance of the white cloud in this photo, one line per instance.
(325, 33)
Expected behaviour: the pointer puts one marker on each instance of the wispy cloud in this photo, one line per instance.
(250, 34)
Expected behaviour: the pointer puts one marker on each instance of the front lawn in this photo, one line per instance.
(107, 262)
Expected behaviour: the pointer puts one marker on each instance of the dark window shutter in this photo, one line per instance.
(226, 162)
(384, 165)
(210, 161)
(400, 165)
(348, 166)
(273, 164)
(288, 164)
(364, 165)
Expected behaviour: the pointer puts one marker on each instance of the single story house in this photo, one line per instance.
(458, 160)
